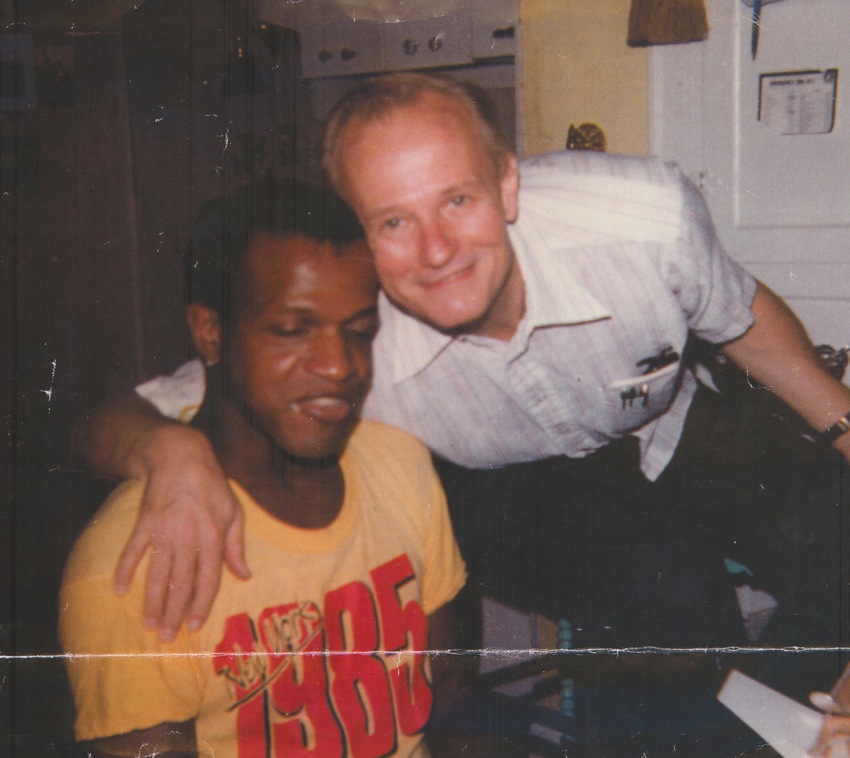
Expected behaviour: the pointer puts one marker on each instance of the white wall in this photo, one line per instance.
(769, 211)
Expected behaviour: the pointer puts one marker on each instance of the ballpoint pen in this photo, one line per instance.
(754, 35)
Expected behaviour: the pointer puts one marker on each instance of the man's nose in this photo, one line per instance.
(438, 243)
(331, 356)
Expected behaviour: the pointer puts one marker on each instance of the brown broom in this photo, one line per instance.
(667, 22)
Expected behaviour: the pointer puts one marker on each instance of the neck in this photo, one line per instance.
(508, 307)
(303, 493)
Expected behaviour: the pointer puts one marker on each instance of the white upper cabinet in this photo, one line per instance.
(333, 43)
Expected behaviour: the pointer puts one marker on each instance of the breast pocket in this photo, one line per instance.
(639, 399)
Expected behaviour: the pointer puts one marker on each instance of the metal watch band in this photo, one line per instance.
(841, 426)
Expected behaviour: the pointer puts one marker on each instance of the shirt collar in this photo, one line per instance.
(552, 297)
(411, 344)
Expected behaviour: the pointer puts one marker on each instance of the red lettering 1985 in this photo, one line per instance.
(344, 682)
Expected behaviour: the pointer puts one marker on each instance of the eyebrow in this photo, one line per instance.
(455, 189)
(387, 210)
(365, 313)
(372, 310)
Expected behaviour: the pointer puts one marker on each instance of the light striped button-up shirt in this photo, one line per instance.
(620, 263)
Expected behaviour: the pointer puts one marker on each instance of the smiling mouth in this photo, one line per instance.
(449, 279)
(328, 409)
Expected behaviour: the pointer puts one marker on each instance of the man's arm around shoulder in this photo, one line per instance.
(189, 517)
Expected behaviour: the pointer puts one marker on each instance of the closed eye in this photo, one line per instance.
(279, 330)
(365, 327)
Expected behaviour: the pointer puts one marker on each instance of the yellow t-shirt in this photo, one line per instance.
(365, 583)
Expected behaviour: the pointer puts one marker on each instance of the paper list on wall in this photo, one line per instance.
(798, 102)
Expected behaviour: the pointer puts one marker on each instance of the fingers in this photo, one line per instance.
(207, 581)
(208, 577)
(180, 591)
(209, 567)
(164, 594)
(171, 571)
(823, 701)
(191, 520)
(156, 587)
(168, 590)
(234, 546)
(129, 560)
(834, 738)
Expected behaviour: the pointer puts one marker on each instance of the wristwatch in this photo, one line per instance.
(841, 426)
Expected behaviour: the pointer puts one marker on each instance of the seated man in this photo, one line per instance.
(346, 525)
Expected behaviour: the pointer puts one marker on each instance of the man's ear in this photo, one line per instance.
(205, 327)
(509, 188)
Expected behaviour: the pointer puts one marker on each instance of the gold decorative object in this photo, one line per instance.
(586, 137)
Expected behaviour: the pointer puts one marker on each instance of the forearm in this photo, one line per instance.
(777, 352)
(123, 438)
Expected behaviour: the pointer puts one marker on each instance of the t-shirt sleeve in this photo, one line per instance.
(122, 676)
(445, 570)
(178, 395)
(715, 292)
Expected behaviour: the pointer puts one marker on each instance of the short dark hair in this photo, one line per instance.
(225, 227)
(380, 95)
